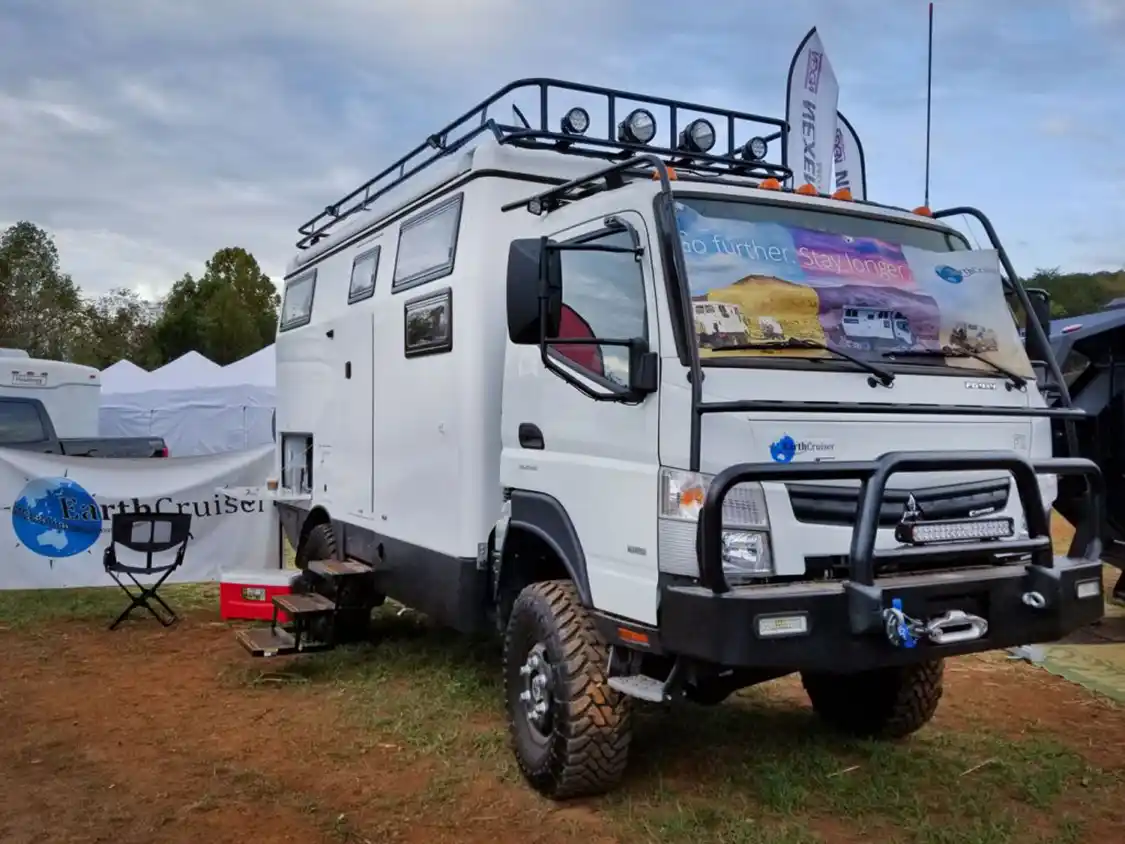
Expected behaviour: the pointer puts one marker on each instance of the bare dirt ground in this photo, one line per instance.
(151, 735)
(146, 735)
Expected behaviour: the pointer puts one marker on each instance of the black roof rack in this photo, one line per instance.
(538, 134)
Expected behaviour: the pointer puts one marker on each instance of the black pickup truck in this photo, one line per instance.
(25, 424)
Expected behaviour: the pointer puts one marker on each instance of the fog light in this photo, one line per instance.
(921, 533)
(778, 626)
(755, 149)
(576, 121)
(697, 136)
(638, 127)
(1088, 589)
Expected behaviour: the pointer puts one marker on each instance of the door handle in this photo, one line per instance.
(531, 436)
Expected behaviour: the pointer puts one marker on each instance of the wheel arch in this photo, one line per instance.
(537, 542)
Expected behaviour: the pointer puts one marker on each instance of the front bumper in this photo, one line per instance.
(724, 628)
(1017, 589)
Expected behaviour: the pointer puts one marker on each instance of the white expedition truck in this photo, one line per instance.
(492, 408)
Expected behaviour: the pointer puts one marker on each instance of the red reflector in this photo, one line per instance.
(164, 451)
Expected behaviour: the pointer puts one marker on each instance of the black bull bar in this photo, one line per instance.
(865, 604)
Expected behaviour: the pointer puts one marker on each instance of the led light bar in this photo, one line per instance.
(958, 530)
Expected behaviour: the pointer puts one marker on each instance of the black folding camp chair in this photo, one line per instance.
(148, 534)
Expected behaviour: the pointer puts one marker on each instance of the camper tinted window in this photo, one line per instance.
(427, 245)
(364, 267)
(296, 307)
(20, 423)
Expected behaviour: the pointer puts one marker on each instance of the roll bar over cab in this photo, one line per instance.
(639, 519)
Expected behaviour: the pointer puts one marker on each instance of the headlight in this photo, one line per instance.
(746, 546)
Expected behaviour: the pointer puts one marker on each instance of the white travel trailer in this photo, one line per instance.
(881, 326)
(70, 392)
(492, 407)
(720, 324)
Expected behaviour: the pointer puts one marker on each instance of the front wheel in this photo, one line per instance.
(569, 730)
(887, 703)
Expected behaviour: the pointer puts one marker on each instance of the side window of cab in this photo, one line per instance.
(603, 298)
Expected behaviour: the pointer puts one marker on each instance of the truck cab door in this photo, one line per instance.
(570, 435)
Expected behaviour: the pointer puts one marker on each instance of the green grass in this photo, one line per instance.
(23, 609)
(757, 770)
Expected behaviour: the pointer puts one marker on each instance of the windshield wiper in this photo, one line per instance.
(884, 376)
(1017, 381)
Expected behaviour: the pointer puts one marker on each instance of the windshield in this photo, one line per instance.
(764, 276)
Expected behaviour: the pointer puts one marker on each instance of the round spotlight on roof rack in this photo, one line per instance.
(638, 127)
(697, 136)
(755, 149)
(576, 121)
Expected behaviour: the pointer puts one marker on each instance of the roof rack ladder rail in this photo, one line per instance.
(560, 191)
(319, 225)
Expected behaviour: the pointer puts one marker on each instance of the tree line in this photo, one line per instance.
(228, 312)
(1074, 294)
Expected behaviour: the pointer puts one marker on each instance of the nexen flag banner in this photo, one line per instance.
(56, 512)
(810, 111)
(851, 169)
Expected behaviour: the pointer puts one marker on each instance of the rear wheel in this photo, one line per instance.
(888, 703)
(570, 732)
(352, 623)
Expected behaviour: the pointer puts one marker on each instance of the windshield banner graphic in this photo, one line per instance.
(766, 284)
(810, 111)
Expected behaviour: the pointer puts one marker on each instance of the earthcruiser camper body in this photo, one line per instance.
(493, 407)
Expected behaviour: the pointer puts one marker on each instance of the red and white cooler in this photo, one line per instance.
(248, 594)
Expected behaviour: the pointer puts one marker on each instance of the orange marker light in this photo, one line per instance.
(769, 184)
(844, 194)
(632, 636)
(671, 175)
(691, 495)
(923, 211)
(807, 189)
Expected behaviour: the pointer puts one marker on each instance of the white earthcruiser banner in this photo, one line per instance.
(56, 512)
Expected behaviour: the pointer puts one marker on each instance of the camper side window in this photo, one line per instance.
(297, 305)
(603, 298)
(427, 245)
(364, 268)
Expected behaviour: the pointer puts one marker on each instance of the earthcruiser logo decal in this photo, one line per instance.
(58, 518)
(787, 448)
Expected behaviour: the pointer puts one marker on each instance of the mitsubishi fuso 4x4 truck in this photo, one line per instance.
(495, 406)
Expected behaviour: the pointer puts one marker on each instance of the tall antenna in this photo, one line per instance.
(929, 100)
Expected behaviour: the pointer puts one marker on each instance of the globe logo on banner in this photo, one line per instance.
(947, 273)
(56, 517)
(784, 450)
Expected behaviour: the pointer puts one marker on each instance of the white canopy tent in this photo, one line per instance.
(123, 377)
(197, 406)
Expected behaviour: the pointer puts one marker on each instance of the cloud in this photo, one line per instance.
(146, 134)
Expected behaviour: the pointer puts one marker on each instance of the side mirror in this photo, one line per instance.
(1041, 307)
(534, 290)
(644, 368)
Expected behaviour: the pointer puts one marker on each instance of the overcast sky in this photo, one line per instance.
(146, 134)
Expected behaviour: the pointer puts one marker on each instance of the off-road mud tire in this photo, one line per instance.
(587, 749)
(351, 625)
(888, 703)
